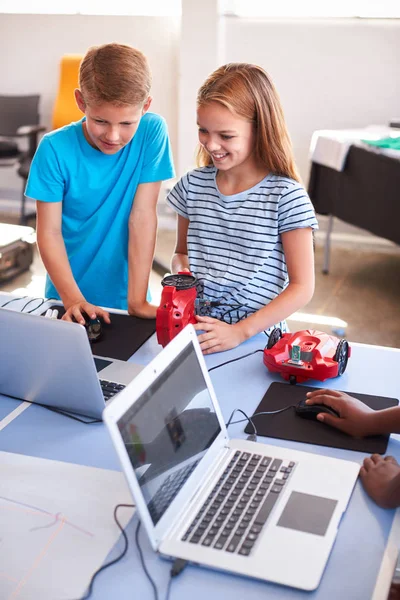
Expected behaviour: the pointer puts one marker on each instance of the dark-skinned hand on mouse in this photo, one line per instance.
(353, 416)
(311, 411)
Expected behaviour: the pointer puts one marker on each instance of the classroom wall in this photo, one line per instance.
(31, 47)
(330, 74)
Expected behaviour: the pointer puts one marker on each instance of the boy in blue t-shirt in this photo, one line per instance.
(96, 183)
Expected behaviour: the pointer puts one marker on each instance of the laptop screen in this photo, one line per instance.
(168, 430)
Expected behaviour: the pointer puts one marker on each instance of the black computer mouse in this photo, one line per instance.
(310, 411)
(94, 329)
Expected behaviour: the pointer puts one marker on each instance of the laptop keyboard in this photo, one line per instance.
(236, 510)
(110, 388)
(169, 490)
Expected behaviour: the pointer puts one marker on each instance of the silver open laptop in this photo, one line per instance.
(246, 507)
(50, 362)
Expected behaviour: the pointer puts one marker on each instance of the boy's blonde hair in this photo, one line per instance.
(247, 91)
(114, 73)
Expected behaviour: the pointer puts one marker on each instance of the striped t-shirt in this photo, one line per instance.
(234, 242)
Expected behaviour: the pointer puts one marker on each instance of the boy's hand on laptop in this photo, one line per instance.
(217, 335)
(144, 311)
(79, 310)
(356, 418)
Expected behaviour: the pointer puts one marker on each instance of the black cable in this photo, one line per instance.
(249, 419)
(149, 577)
(176, 569)
(36, 307)
(246, 419)
(60, 411)
(115, 560)
(42, 301)
(168, 588)
(228, 313)
(234, 360)
(272, 412)
(67, 414)
(13, 300)
(203, 305)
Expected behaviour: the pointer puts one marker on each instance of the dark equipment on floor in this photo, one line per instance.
(16, 250)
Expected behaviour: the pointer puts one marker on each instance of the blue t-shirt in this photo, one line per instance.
(97, 191)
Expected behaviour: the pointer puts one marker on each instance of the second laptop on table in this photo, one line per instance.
(50, 362)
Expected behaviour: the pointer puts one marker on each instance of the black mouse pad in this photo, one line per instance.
(122, 337)
(289, 426)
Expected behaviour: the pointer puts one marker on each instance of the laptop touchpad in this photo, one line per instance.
(101, 364)
(308, 513)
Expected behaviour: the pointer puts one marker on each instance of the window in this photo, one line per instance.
(372, 9)
(157, 8)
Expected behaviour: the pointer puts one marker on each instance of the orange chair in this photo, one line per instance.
(65, 109)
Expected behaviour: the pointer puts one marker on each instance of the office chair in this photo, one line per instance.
(65, 108)
(19, 119)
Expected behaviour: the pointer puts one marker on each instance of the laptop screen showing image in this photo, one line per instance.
(168, 430)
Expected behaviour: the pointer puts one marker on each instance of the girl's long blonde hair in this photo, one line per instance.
(247, 91)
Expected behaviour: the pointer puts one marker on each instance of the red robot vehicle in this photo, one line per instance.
(177, 306)
(306, 354)
(180, 303)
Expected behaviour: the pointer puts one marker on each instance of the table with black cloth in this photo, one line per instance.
(365, 193)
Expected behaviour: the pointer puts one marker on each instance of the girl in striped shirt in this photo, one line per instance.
(244, 220)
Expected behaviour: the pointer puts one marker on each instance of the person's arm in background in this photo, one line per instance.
(142, 241)
(53, 253)
(180, 260)
(380, 476)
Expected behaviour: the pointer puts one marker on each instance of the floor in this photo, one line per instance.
(358, 299)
